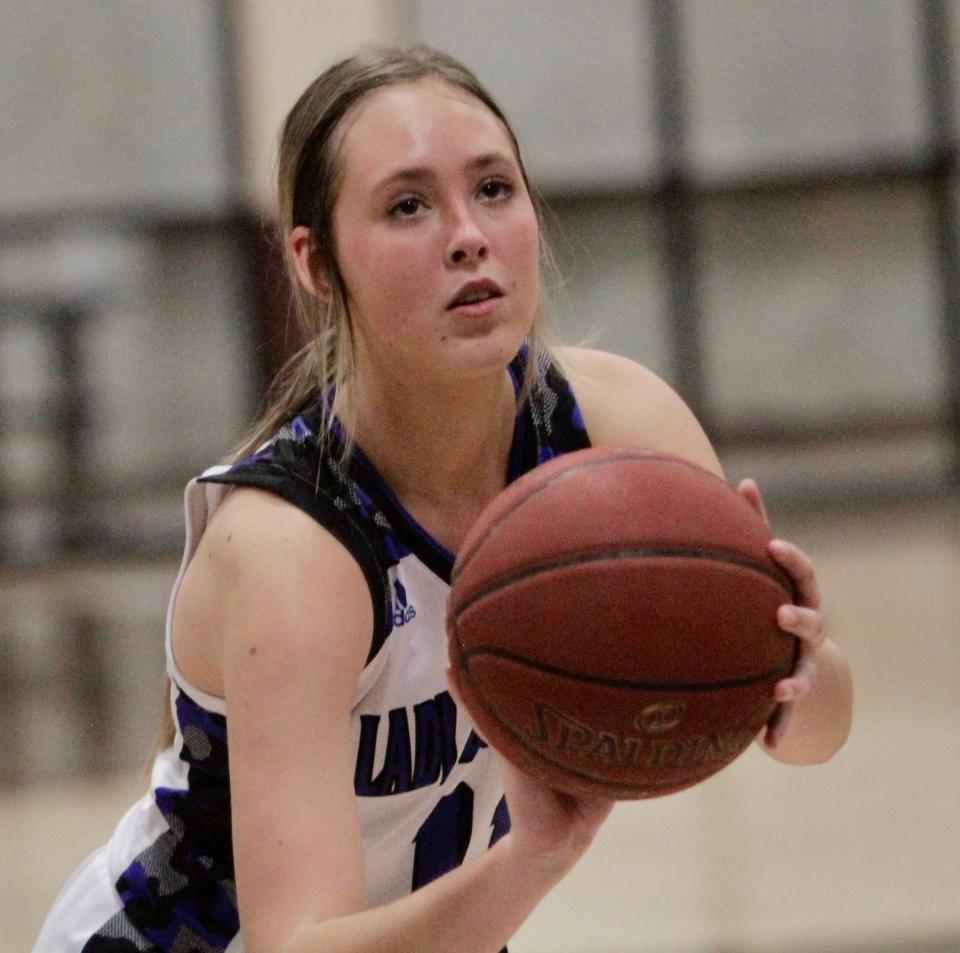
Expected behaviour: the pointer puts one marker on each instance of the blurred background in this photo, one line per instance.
(760, 199)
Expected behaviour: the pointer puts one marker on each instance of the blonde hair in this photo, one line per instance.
(308, 173)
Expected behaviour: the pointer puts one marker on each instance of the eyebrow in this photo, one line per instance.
(422, 173)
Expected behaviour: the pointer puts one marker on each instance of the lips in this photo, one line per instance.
(475, 292)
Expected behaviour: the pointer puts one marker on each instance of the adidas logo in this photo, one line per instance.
(402, 612)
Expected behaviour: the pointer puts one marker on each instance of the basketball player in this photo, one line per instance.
(322, 790)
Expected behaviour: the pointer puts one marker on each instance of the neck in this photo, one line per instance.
(442, 449)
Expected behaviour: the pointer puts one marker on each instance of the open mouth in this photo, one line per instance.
(475, 293)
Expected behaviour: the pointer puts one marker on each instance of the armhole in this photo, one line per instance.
(343, 527)
(199, 502)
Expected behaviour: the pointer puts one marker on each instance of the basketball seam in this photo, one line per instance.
(644, 552)
(622, 454)
(607, 682)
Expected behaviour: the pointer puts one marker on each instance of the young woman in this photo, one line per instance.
(353, 807)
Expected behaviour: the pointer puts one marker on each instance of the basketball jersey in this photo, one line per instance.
(427, 787)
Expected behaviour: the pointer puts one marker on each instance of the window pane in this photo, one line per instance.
(613, 297)
(28, 361)
(167, 363)
(800, 84)
(821, 305)
(111, 103)
(953, 20)
(576, 87)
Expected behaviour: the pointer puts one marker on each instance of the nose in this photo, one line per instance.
(467, 241)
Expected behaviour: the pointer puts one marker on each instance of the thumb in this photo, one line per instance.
(749, 490)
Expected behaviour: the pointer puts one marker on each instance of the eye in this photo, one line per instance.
(493, 189)
(406, 208)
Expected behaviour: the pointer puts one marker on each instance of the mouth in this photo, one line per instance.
(475, 293)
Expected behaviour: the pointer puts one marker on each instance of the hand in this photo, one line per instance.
(550, 828)
(802, 619)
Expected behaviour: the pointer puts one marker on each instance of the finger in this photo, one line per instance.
(805, 623)
(800, 681)
(749, 490)
(799, 567)
(777, 725)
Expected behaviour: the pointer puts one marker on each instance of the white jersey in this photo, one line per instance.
(427, 787)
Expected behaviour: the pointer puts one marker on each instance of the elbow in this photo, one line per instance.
(829, 747)
(820, 725)
(836, 702)
(810, 751)
(843, 712)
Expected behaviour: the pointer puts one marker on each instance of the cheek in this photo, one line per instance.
(405, 274)
(523, 250)
(382, 271)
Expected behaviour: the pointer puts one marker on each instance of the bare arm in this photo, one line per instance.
(296, 616)
(625, 404)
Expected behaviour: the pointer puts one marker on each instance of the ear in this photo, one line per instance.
(310, 273)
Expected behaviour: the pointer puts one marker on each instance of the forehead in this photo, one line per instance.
(423, 123)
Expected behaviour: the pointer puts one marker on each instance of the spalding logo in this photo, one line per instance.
(660, 717)
(557, 732)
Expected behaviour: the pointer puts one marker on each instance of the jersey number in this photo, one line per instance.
(443, 838)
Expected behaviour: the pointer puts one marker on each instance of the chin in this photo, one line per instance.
(490, 352)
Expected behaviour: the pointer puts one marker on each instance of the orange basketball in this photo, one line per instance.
(612, 623)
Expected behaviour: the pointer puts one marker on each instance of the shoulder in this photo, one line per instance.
(259, 540)
(257, 529)
(624, 403)
(264, 570)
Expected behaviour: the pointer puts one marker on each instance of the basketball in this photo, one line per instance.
(612, 623)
